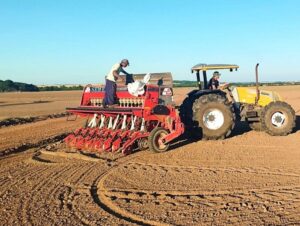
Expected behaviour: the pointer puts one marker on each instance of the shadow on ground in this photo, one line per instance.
(297, 128)
(239, 129)
(181, 141)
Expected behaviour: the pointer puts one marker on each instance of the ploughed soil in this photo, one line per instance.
(26, 105)
(250, 178)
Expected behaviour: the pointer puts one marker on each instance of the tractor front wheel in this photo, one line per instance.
(278, 118)
(156, 140)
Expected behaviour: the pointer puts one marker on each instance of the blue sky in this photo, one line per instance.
(71, 41)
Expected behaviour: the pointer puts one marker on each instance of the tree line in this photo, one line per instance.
(60, 88)
(10, 86)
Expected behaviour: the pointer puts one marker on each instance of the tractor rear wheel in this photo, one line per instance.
(191, 130)
(155, 141)
(186, 112)
(278, 118)
(215, 116)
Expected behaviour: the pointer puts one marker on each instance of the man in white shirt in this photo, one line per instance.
(110, 83)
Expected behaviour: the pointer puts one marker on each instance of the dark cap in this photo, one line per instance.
(216, 73)
(125, 61)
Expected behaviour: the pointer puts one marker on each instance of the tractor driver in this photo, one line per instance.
(214, 82)
(110, 83)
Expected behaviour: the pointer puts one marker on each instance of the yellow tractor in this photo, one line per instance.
(212, 113)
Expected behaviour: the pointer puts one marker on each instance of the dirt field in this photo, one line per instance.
(28, 104)
(250, 178)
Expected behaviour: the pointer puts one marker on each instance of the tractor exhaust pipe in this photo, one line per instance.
(257, 85)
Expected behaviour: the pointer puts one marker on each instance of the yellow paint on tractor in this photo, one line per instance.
(247, 96)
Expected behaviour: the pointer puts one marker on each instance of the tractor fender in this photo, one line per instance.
(160, 110)
(195, 94)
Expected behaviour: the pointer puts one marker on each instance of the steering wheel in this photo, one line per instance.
(225, 86)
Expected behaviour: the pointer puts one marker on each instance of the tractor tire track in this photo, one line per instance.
(212, 204)
(66, 198)
(67, 188)
(228, 170)
(51, 189)
(98, 192)
(70, 190)
(83, 185)
(20, 179)
(56, 186)
(27, 146)
(24, 206)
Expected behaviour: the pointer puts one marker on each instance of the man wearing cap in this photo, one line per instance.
(110, 83)
(214, 81)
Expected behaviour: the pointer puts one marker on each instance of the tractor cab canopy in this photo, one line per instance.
(205, 67)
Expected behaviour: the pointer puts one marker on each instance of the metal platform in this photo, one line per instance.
(92, 109)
